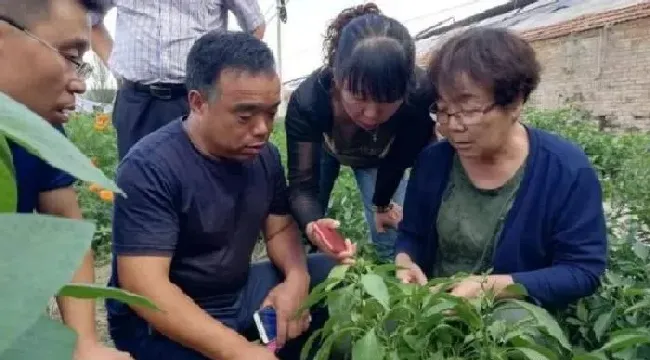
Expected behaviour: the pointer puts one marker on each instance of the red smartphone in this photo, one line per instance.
(331, 237)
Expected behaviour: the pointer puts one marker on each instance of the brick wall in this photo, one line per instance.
(603, 70)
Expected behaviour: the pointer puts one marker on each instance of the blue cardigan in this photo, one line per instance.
(554, 240)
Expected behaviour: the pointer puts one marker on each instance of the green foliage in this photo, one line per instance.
(100, 145)
(40, 138)
(621, 305)
(376, 317)
(8, 195)
(39, 253)
(622, 160)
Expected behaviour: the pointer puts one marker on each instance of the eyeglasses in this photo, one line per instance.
(464, 117)
(82, 68)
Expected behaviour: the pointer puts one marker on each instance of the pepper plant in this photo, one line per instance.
(374, 316)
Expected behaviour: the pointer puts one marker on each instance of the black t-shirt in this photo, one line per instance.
(309, 121)
(206, 214)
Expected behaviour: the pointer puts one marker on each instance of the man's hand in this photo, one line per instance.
(255, 352)
(409, 272)
(98, 351)
(286, 298)
(389, 219)
(346, 256)
(474, 286)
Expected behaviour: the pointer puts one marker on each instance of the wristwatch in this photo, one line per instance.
(382, 209)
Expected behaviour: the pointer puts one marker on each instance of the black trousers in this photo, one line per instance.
(140, 110)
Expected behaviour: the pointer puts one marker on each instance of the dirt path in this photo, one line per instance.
(101, 276)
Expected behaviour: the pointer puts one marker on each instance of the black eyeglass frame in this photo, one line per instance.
(82, 68)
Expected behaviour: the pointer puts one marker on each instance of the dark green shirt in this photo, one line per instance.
(469, 222)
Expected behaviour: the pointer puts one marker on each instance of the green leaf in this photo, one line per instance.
(393, 356)
(582, 313)
(8, 191)
(527, 342)
(516, 290)
(468, 313)
(368, 347)
(338, 272)
(532, 354)
(307, 347)
(341, 303)
(38, 254)
(638, 306)
(546, 321)
(602, 324)
(93, 291)
(45, 339)
(42, 139)
(590, 356)
(641, 250)
(375, 286)
(626, 340)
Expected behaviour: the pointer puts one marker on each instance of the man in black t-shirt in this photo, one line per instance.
(199, 192)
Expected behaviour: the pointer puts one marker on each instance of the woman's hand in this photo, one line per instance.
(409, 272)
(343, 257)
(388, 219)
(474, 286)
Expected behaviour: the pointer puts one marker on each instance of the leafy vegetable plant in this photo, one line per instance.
(373, 316)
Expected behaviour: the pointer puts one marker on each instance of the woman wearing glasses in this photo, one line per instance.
(497, 194)
(367, 108)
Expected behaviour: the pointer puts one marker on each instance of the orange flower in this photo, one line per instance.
(106, 195)
(95, 188)
(101, 122)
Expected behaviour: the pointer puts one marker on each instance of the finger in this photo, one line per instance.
(266, 303)
(295, 329)
(306, 322)
(403, 276)
(331, 223)
(348, 252)
(420, 277)
(350, 246)
(282, 329)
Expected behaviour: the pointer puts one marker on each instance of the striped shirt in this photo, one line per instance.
(153, 37)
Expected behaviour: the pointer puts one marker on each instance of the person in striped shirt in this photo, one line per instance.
(147, 56)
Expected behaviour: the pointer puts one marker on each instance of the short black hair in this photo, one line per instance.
(371, 54)
(217, 51)
(493, 57)
(26, 12)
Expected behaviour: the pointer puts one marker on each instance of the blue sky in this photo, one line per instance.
(302, 36)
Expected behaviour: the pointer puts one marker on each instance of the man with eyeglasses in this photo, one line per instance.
(42, 43)
(152, 41)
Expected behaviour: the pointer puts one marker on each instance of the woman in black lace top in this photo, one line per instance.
(367, 108)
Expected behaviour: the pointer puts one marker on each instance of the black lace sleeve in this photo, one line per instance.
(304, 141)
(414, 134)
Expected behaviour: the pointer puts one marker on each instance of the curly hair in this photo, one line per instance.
(333, 32)
(370, 54)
